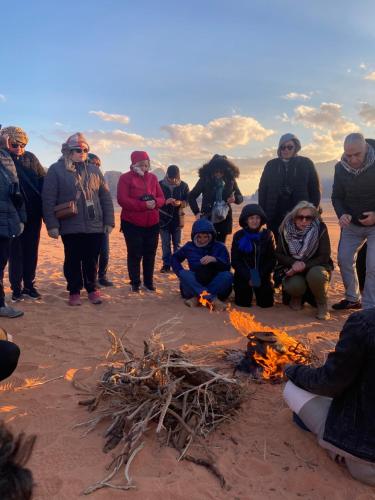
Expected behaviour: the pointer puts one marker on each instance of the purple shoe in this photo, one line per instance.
(75, 299)
(94, 297)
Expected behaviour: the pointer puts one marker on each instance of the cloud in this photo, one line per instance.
(104, 142)
(111, 117)
(363, 66)
(327, 117)
(367, 113)
(2, 98)
(323, 147)
(370, 76)
(295, 96)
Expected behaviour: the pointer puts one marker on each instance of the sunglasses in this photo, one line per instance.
(307, 218)
(17, 145)
(289, 148)
(79, 150)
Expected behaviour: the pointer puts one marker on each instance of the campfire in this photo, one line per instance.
(268, 349)
(204, 301)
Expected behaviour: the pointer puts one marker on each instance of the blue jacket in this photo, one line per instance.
(193, 254)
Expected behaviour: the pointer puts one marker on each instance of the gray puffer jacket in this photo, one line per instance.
(61, 185)
(12, 209)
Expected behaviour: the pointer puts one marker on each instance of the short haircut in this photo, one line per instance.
(355, 137)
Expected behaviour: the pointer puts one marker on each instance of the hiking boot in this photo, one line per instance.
(31, 293)
(347, 304)
(17, 297)
(218, 305)
(94, 297)
(322, 311)
(75, 299)
(192, 302)
(150, 288)
(295, 303)
(165, 269)
(9, 312)
(105, 282)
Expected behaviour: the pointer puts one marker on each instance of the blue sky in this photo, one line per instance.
(184, 81)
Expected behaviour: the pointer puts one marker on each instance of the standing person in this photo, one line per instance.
(104, 249)
(176, 194)
(354, 203)
(23, 258)
(12, 217)
(253, 259)
(287, 180)
(336, 401)
(304, 258)
(75, 182)
(140, 196)
(218, 187)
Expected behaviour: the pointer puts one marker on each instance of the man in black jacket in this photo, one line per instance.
(176, 194)
(23, 257)
(337, 401)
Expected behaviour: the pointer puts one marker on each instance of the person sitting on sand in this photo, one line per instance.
(253, 259)
(209, 267)
(304, 258)
(336, 402)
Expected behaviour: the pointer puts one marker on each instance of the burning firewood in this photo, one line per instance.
(160, 389)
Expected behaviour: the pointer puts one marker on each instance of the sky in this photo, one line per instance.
(186, 80)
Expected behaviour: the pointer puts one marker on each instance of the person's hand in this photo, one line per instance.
(207, 259)
(231, 199)
(53, 233)
(369, 220)
(197, 216)
(176, 203)
(169, 201)
(150, 204)
(22, 227)
(298, 266)
(290, 273)
(345, 220)
(108, 229)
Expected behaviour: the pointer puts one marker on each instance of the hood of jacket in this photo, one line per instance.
(252, 209)
(203, 226)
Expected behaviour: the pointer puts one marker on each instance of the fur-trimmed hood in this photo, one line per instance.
(221, 163)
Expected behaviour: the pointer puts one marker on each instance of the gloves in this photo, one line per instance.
(108, 229)
(53, 233)
(22, 227)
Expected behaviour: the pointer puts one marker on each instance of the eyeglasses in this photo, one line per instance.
(16, 145)
(288, 147)
(307, 218)
(79, 150)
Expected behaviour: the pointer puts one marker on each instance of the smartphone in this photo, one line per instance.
(90, 209)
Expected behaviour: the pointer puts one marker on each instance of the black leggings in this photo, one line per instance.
(243, 293)
(9, 354)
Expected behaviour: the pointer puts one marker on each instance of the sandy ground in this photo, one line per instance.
(262, 454)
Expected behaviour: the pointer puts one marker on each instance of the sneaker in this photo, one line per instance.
(295, 303)
(17, 297)
(165, 269)
(218, 305)
(322, 312)
(105, 282)
(94, 297)
(150, 288)
(347, 304)
(9, 312)
(75, 299)
(31, 293)
(193, 302)
(135, 288)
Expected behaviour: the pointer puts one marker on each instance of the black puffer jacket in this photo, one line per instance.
(206, 187)
(348, 376)
(298, 177)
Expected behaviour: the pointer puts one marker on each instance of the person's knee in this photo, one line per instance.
(295, 286)
(226, 278)
(317, 276)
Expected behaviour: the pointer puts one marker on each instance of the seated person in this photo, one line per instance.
(209, 267)
(336, 402)
(253, 259)
(9, 355)
(304, 258)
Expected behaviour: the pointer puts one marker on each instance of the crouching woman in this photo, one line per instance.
(253, 259)
(304, 259)
(209, 267)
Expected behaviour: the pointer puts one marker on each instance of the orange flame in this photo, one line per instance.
(205, 303)
(285, 350)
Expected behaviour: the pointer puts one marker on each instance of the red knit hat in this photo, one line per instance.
(137, 156)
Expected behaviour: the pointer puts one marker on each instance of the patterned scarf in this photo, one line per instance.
(369, 160)
(302, 243)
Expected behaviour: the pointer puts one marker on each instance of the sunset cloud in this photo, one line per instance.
(323, 147)
(111, 117)
(370, 76)
(367, 113)
(295, 96)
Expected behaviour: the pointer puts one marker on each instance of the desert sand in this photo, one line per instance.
(261, 453)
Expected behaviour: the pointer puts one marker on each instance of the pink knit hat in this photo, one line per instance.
(137, 156)
(76, 140)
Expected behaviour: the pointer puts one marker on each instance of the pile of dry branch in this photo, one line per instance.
(183, 400)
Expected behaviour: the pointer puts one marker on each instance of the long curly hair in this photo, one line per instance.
(219, 163)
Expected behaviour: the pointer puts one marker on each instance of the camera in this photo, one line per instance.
(147, 197)
(90, 210)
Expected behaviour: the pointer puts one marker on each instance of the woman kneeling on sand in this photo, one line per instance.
(304, 259)
(336, 402)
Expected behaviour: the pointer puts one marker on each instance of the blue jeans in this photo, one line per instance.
(104, 257)
(220, 286)
(167, 236)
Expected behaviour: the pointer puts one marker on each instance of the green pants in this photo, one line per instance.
(316, 279)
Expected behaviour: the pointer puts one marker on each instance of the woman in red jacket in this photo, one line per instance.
(140, 197)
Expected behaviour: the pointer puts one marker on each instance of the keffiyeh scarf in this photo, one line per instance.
(369, 160)
(303, 243)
